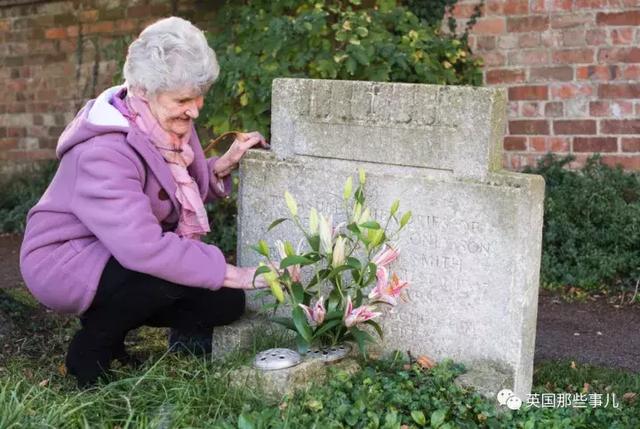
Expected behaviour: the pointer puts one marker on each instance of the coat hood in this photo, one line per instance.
(97, 117)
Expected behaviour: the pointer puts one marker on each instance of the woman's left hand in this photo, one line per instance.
(243, 142)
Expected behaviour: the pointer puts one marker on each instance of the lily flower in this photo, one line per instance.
(326, 233)
(387, 255)
(387, 291)
(315, 315)
(294, 270)
(338, 253)
(353, 316)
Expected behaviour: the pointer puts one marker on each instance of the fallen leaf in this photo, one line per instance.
(62, 370)
(44, 382)
(426, 362)
(404, 427)
(573, 364)
(586, 387)
(406, 367)
(481, 418)
(630, 397)
(282, 406)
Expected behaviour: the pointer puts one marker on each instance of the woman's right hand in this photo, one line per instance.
(242, 278)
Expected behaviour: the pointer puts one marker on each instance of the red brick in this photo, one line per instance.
(512, 143)
(494, 7)
(99, 27)
(595, 144)
(599, 108)
(619, 55)
(550, 5)
(8, 144)
(540, 92)
(493, 25)
(29, 155)
(527, 24)
(463, 10)
(553, 109)
(609, 72)
(529, 40)
(4, 25)
(631, 72)
(630, 17)
(493, 58)
(88, 16)
(571, 20)
(528, 127)
(623, 126)
(529, 57)
(631, 144)
(626, 162)
(564, 91)
(530, 109)
(126, 25)
(559, 144)
(516, 7)
(486, 43)
(573, 37)
(622, 36)
(573, 56)
(505, 76)
(619, 90)
(56, 33)
(591, 4)
(596, 37)
(556, 73)
(73, 30)
(573, 126)
(538, 144)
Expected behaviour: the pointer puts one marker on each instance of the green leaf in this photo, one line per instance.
(276, 223)
(300, 322)
(354, 263)
(372, 224)
(394, 207)
(376, 327)
(362, 338)
(437, 417)
(295, 260)
(327, 326)
(303, 345)
(245, 422)
(284, 321)
(418, 417)
(297, 292)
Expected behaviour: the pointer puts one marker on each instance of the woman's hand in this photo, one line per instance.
(242, 278)
(243, 142)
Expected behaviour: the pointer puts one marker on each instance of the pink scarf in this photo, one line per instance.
(178, 154)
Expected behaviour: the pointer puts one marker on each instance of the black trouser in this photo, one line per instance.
(126, 300)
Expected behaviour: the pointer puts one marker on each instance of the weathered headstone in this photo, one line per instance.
(472, 251)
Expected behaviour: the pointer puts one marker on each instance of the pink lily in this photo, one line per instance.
(353, 316)
(387, 291)
(387, 255)
(315, 315)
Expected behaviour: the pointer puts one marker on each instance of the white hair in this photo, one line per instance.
(170, 54)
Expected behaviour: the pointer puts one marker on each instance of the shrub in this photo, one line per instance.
(21, 192)
(263, 40)
(591, 224)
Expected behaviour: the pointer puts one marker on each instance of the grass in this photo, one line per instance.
(188, 392)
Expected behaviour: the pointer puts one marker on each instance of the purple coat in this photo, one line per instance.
(113, 195)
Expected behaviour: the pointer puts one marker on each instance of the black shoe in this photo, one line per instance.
(120, 354)
(87, 358)
(192, 341)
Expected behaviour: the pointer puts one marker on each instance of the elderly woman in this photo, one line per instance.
(116, 236)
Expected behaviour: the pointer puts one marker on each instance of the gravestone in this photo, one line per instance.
(472, 250)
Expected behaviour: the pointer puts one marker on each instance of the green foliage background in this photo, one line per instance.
(262, 40)
(591, 235)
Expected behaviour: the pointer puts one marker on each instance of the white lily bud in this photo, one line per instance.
(291, 203)
(313, 221)
(338, 252)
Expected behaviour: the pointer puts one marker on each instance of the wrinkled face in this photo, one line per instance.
(176, 110)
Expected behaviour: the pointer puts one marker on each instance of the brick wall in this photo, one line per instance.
(572, 69)
(54, 55)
